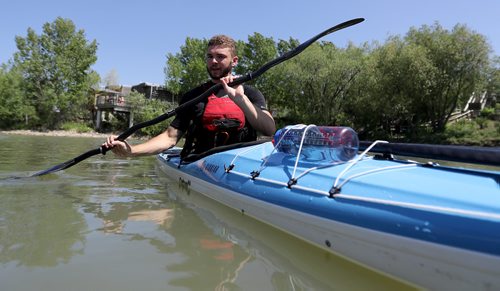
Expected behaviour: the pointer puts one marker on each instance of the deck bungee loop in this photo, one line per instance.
(294, 179)
(255, 174)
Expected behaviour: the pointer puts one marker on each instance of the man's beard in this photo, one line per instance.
(223, 73)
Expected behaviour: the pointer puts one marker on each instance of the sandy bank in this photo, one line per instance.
(55, 133)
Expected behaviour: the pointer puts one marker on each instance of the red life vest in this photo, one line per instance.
(220, 111)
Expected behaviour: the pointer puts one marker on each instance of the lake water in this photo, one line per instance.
(118, 224)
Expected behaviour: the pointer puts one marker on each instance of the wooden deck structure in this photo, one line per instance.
(114, 102)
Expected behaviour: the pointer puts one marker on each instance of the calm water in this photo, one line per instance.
(114, 224)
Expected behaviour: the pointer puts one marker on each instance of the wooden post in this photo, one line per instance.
(98, 119)
(130, 119)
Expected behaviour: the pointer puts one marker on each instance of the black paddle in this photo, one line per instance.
(463, 154)
(213, 89)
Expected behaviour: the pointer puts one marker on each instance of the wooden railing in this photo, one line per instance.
(111, 100)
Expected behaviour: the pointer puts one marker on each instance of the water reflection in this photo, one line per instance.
(31, 224)
(281, 262)
(110, 224)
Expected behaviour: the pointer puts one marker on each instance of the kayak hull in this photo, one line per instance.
(384, 228)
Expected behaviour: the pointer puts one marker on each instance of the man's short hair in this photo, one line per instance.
(224, 41)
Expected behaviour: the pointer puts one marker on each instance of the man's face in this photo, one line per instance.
(220, 62)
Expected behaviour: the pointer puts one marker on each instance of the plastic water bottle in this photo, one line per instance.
(321, 143)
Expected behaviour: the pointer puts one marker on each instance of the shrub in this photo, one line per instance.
(147, 109)
(488, 113)
(76, 126)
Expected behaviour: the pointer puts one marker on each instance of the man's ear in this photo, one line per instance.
(235, 61)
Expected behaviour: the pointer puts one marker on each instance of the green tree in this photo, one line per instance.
(253, 55)
(147, 109)
(318, 82)
(14, 111)
(56, 70)
(493, 85)
(276, 86)
(460, 58)
(395, 80)
(411, 85)
(186, 69)
(256, 52)
(284, 46)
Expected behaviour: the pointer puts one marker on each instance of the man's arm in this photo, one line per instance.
(261, 120)
(155, 145)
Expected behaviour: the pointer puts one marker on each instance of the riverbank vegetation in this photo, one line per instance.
(405, 89)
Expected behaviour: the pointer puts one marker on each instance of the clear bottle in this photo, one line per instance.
(321, 143)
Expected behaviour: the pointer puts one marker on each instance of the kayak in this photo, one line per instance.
(429, 225)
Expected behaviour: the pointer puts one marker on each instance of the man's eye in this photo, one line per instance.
(217, 57)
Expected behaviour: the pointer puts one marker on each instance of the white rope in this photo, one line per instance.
(355, 161)
(300, 150)
(319, 167)
(297, 126)
(245, 151)
(372, 171)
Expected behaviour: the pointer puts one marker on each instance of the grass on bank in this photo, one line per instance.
(77, 127)
(478, 132)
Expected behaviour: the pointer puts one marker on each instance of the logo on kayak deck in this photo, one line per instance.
(209, 167)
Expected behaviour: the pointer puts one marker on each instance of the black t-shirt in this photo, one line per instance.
(189, 119)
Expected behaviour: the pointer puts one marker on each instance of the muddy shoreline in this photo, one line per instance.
(56, 133)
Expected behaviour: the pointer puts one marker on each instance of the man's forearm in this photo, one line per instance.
(261, 120)
(157, 144)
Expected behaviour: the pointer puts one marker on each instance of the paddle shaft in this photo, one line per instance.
(286, 56)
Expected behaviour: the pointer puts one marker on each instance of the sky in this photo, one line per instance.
(134, 37)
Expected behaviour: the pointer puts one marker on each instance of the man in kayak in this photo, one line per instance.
(232, 115)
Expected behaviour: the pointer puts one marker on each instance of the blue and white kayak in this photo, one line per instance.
(433, 226)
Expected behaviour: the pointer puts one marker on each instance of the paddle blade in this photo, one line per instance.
(68, 163)
(290, 54)
(344, 25)
(54, 169)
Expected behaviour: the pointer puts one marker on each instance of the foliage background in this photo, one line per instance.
(404, 89)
